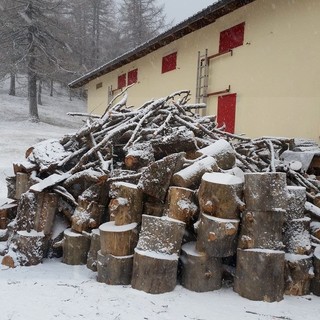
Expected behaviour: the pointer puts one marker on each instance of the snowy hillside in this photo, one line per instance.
(54, 290)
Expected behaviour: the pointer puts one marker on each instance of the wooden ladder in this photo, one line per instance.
(202, 77)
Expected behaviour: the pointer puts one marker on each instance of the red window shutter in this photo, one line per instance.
(231, 38)
(169, 62)
(122, 81)
(227, 111)
(132, 76)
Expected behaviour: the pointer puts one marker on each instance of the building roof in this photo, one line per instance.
(195, 22)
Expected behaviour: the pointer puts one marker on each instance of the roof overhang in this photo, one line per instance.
(196, 22)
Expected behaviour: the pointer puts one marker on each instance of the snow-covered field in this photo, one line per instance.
(54, 290)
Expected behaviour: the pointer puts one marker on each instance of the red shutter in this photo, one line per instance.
(231, 38)
(122, 81)
(169, 62)
(227, 111)
(132, 76)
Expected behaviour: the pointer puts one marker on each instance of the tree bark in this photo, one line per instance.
(32, 89)
(39, 100)
(296, 201)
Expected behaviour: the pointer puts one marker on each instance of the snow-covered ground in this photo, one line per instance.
(54, 290)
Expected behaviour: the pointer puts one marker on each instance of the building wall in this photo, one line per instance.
(275, 73)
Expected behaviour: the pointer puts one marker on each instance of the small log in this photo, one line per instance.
(118, 240)
(315, 283)
(265, 191)
(200, 273)
(222, 151)
(161, 234)
(298, 274)
(75, 248)
(261, 229)
(154, 272)
(260, 274)
(296, 236)
(127, 203)
(296, 201)
(312, 210)
(26, 212)
(114, 270)
(139, 155)
(220, 195)
(217, 237)
(182, 205)
(94, 248)
(50, 181)
(22, 184)
(315, 229)
(190, 177)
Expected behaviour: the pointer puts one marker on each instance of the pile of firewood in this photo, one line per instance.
(142, 195)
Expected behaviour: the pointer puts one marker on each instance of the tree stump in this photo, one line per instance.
(220, 195)
(190, 177)
(222, 151)
(154, 272)
(296, 200)
(118, 240)
(161, 234)
(261, 229)
(217, 237)
(114, 270)
(298, 274)
(260, 274)
(315, 283)
(94, 248)
(75, 248)
(265, 191)
(182, 204)
(200, 273)
(296, 236)
(126, 204)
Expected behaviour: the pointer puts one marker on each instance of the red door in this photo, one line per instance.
(227, 111)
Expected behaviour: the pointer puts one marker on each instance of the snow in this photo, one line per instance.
(32, 233)
(111, 227)
(157, 254)
(54, 290)
(221, 178)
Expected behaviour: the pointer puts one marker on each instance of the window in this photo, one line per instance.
(231, 38)
(132, 76)
(227, 111)
(98, 85)
(169, 62)
(122, 81)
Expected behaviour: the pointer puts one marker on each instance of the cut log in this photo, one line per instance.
(260, 274)
(139, 155)
(126, 204)
(182, 205)
(261, 229)
(217, 237)
(22, 184)
(296, 236)
(315, 283)
(114, 270)
(265, 191)
(118, 240)
(200, 273)
(155, 179)
(296, 201)
(161, 234)
(222, 151)
(190, 177)
(220, 195)
(26, 212)
(312, 210)
(155, 209)
(94, 248)
(11, 187)
(75, 248)
(154, 272)
(50, 182)
(298, 274)
(315, 229)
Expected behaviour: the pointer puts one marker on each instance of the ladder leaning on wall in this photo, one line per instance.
(202, 77)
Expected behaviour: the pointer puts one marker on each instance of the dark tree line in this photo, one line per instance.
(58, 40)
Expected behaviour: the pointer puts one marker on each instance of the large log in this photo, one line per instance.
(261, 229)
(154, 272)
(190, 177)
(199, 273)
(94, 248)
(114, 270)
(222, 151)
(260, 274)
(220, 195)
(217, 237)
(181, 203)
(265, 191)
(126, 204)
(118, 240)
(315, 283)
(296, 201)
(298, 274)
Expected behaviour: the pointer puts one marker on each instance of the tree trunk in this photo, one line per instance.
(12, 90)
(200, 273)
(32, 89)
(51, 88)
(40, 92)
(260, 274)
